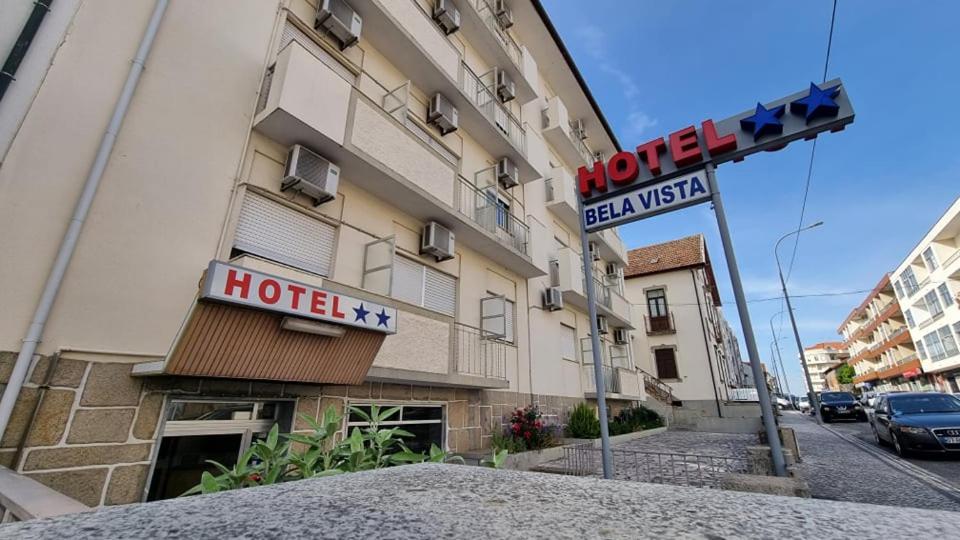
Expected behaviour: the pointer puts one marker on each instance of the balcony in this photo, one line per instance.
(568, 270)
(618, 383)
(490, 211)
(558, 132)
(410, 40)
(610, 245)
(658, 326)
(480, 357)
(562, 198)
(386, 149)
(497, 46)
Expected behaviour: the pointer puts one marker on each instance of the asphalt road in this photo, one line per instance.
(948, 467)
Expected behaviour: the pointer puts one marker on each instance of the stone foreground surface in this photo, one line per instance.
(455, 501)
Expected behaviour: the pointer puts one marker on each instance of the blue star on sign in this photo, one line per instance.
(382, 318)
(361, 313)
(817, 103)
(764, 121)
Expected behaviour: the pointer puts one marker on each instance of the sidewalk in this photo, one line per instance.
(837, 469)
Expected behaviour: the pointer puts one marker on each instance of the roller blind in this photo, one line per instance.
(280, 233)
(568, 342)
(423, 286)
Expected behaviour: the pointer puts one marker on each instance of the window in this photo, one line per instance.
(933, 303)
(277, 232)
(420, 285)
(503, 214)
(497, 318)
(909, 281)
(949, 344)
(568, 343)
(934, 346)
(666, 361)
(930, 259)
(899, 288)
(921, 352)
(509, 322)
(944, 291)
(425, 422)
(909, 316)
(657, 303)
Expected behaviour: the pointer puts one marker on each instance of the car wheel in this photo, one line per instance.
(876, 436)
(826, 418)
(900, 449)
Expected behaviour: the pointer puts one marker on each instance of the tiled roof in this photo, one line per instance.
(672, 255)
(687, 252)
(838, 345)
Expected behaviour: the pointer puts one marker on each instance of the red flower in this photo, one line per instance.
(526, 434)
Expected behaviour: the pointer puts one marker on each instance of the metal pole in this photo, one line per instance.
(776, 343)
(766, 408)
(778, 374)
(69, 243)
(595, 347)
(814, 403)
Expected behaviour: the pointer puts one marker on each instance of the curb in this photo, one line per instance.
(933, 480)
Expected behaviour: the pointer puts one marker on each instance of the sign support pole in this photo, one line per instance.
(766, 407)
(595, 347)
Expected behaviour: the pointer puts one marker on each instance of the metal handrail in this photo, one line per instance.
(481, 357)
(670, 328)
(601, 291)
(951, 259)
(483, 207)
(486, 13)
(481, 95)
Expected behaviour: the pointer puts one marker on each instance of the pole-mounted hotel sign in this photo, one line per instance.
(246, 287)
(666, 175)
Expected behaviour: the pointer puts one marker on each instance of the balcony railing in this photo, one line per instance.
(664, 324)
(611, 380)
(489, 17)
(485, 208)
(951, 259)
(657, 388)
(601, 292)
(481, 94)
(581, 145)
(481, 357)
(744, 394)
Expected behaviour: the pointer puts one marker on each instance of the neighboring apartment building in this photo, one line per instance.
(876, 338)
(683, 339)
(927, 283)
(820, 358)
(408, 178)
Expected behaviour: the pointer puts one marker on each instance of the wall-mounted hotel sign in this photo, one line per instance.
(245, 287)
(627, 176)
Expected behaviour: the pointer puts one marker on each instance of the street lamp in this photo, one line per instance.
(776, 341)
(774, 357)
(814, 403)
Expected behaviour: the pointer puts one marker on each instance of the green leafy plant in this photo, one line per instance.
(314, 454)
(583, 423)
(497, 459)
(505, 441)
(845, 374)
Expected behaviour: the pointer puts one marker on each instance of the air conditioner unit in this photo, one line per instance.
(599, 156)
(507, 173)
(620, 336)
(612, 269)
(506, 89)
(552, 299)
(310, 174)
(602, 324)
(339, 18)
(503, 13)
(594, 251)
(443, 114)
(447, 15)
(437, 240)
(576, 127)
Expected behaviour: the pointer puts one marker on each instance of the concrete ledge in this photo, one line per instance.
(728, 425)
(770, 485)
(616, 439)
(26, 498)
(531, 459)
(406, 376)
(453, 501)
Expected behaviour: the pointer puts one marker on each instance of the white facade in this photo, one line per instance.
(820, 358)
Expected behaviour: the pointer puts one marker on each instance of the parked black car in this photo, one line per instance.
(835, 405)
(918, 422)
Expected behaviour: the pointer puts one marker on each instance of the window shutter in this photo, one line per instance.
(440, 292)
(408, 281)
(282, 234)
(568, 342)
(666, 364)
(508, 321)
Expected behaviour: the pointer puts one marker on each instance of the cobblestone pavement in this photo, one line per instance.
(838, 469)
(947, 467)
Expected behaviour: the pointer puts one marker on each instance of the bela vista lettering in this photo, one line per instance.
(644, 201)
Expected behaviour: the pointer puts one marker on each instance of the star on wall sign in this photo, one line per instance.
(382, 318)
(764, 121)
(361, 313)
(817, 103)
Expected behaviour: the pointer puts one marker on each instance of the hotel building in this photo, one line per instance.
(408, 163)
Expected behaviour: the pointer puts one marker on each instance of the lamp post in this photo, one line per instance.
(776, 343)
(814, 402)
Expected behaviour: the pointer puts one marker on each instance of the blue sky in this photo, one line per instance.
(658, 66)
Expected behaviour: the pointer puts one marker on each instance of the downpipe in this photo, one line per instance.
(69, 243)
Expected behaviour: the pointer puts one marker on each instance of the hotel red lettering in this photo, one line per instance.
(298, 292)
(335, 310)
(318, 303)
(623, 168)
(269, 291)
(650, 154)
(233, 283)
(715, 144)
(684, 148)
(590, 180)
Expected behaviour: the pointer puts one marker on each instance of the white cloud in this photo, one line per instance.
(638, 122)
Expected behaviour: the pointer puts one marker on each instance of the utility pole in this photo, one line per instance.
(776, 343)
(814, 402)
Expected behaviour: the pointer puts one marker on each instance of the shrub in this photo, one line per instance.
(506, 441)
(637, 418)
(583, 423)
(526, 425)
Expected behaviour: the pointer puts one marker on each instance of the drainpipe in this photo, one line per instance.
(706, 344)
(69, 243)
(22, 45)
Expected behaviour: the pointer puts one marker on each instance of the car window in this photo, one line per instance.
(924, 404)
(830, 397)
